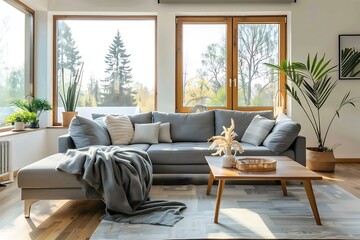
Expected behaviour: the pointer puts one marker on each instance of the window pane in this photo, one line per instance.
(204, 65)
(14, 53)
(119, 64)
(258, 44)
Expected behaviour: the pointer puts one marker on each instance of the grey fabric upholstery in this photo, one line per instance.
(193, 153)
(282, 135)
(181, 153)
(65, 142)
(188, 127)
(86, 132)
(241, 120)
(42, 174)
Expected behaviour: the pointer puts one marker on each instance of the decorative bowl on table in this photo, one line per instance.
(255, 164)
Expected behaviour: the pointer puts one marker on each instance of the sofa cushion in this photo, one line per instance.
(42, 174)
(179, 153)
(188, 127)
(258, 130)
(146, 133)
(120, 129)
(86, 132)
(136, 118)
(241, 119)
(189, 153)
(282, 135)
(164, 133)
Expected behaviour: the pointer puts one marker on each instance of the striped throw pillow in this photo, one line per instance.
(120, 129)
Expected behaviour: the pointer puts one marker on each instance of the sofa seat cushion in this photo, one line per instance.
(42, 174)
(142, 146)
(191, 153)
(181, 153)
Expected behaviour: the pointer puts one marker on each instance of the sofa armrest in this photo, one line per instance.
(65, 142)
(299, 147)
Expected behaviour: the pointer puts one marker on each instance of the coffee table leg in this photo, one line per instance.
(218, 199)
(283, 186)
(312, 201)
(210, 183)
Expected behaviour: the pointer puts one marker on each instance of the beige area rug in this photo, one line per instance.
(248, 211)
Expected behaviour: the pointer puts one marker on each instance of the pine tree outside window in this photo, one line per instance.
(119, 66)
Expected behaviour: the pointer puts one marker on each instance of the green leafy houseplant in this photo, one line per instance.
(69, 93)
(33, 105)
(311, 88)
(19, 115)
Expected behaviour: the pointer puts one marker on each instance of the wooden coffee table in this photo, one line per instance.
(287, 169)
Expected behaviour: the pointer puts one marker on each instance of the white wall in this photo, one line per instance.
(314, 26)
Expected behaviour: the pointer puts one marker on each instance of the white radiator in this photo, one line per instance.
(5, 160)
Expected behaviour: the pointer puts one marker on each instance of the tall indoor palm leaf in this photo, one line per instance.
(311, 87)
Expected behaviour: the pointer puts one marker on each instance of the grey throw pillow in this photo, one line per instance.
(258, 130)
(164, 133)
(188, 127)
(146, 133)
(242, 120)
(282, 135)
(86, 132)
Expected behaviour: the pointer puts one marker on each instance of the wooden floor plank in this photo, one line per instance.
(62, 219)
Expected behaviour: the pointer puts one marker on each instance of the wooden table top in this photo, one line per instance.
(286, 168)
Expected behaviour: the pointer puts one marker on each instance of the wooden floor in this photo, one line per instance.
(64, 219)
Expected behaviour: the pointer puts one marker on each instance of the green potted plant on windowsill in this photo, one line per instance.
(69, 94)
(311, 85)
(33, 105)
(19, 118)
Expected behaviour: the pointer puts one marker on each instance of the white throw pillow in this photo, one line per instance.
(120, 129)
(257, 130)
(146, 133)
(164, 133)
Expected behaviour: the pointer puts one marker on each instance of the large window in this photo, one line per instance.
(16, 54)
(118, 57)
(220, 62)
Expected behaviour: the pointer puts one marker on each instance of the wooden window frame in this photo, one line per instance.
(93, 17)
(232, 34)
(26, 9)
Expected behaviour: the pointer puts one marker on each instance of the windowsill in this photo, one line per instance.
(11, 133)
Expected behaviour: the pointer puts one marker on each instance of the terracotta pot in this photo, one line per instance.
(320, 161)
(67, 116)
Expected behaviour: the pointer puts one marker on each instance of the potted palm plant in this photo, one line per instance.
(33, 105)
(69, 94)
(311, 86)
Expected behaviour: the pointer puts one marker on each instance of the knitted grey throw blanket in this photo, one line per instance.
(122, 178)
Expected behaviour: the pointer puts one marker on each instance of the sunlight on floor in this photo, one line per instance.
(249, 220)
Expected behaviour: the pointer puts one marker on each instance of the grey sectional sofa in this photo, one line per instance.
(190, 133)
(184, 155)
